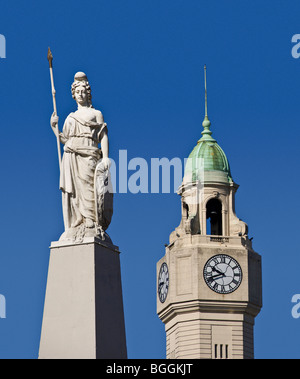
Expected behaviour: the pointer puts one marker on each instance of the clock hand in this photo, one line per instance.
(213, 277)
(214, 269)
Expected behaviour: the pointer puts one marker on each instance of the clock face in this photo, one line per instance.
(163, 282)
(222, 273)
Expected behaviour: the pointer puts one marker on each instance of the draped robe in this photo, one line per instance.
(81, 155)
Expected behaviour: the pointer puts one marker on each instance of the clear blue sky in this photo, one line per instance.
(144, 60)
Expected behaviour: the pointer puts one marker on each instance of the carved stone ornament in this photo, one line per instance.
(216, 194)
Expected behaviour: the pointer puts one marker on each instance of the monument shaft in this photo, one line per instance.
(83, 311)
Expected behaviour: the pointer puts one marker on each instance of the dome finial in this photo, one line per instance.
(205, 91)
(206, 123)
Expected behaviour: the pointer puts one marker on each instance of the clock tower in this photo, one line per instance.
(209, 288)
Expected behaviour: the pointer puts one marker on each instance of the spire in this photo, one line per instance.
(206, 123)
(206, 117)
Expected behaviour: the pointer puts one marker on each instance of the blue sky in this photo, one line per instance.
(144, 60)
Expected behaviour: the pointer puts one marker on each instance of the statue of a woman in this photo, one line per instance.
(84, 177)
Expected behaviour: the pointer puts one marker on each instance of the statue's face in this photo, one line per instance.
(81, 95)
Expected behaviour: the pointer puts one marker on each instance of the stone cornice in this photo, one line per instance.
(199, 306)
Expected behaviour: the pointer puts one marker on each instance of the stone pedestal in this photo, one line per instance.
(83, 311)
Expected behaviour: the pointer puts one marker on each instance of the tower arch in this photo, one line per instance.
(214, 223)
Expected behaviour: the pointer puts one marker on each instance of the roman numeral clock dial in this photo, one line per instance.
(163, 282)
(222, 274)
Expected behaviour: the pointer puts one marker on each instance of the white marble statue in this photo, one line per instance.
(84, 177)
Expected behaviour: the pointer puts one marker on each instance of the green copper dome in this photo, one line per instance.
(207, 162)
(207, 159)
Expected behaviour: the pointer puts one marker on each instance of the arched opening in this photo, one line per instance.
(214, 217)
(186, 210)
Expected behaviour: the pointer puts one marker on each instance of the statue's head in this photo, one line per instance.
(81, 90)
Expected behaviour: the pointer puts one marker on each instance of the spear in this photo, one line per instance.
(50, 58)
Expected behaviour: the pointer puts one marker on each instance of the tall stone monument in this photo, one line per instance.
(83, 311)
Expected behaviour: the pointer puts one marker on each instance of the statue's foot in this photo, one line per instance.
(89, 223)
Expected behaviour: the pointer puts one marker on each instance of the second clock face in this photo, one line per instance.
(163, 282)
(222, 273)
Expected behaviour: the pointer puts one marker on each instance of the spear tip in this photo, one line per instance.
(50, 57)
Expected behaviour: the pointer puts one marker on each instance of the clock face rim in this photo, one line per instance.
(238, 274)
(164, 264)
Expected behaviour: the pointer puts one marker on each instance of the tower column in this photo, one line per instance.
(225, 222)
(203, 229)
